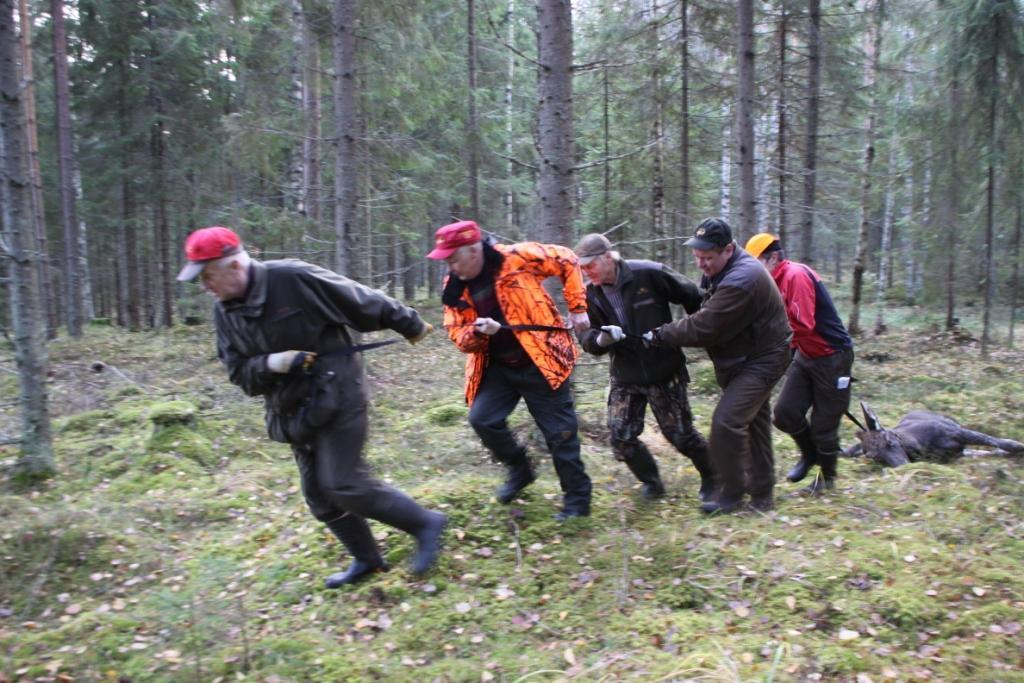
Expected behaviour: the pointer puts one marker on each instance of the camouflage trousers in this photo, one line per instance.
(671, 408)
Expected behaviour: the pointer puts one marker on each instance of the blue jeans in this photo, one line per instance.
(555, 414)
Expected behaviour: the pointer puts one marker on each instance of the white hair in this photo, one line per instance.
(242, 258)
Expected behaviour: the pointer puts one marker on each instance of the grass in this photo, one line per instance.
(174, 545)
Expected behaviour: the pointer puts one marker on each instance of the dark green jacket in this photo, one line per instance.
(647, 289)
(294, 305)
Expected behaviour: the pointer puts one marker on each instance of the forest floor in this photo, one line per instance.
(187, 553)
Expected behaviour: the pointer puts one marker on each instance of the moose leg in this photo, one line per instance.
(982, 439)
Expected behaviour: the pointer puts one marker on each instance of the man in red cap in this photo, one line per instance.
(517, 346)
(284, 333)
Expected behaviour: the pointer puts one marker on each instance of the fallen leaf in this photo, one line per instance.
(847, 634)
(569, 656)
(790, 602)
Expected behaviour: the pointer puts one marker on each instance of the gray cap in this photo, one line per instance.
(591, 246)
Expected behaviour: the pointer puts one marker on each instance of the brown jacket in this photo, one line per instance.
(523, 301)
(742, 317)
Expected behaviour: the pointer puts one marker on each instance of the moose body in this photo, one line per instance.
(921, 435)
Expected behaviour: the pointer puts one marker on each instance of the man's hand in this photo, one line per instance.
(580, 322)
(285, 362)
(487, 326)
(418, 337)
(609, 335)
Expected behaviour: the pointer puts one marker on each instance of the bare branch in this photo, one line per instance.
(605, 160)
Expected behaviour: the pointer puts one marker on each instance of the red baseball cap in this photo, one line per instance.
(452, 236)
(205, 245)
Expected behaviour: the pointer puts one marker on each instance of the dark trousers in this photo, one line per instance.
(671, 407)
(741, 427)
(339, 488)
(552, 409)
(813, 384)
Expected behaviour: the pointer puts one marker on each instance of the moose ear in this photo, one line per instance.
(870, 419)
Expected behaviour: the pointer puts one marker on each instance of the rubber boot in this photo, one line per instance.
(722, 505)
(826, 480)
(808, 455)
(354, 533)
(520, 475)
(641, 463)
(427, 527)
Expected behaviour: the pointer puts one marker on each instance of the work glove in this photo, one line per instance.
(427, 329)
(609, 335)
(579, 321)
(286, 362)
(487, 326)
(652, 338)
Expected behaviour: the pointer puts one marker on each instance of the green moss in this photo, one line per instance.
(171, 413)
(83, 422)
(446, 415)
(185, 442)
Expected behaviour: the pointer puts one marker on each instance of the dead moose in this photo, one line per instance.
(922, 436)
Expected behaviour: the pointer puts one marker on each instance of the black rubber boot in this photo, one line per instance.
(722, 505)
(641, 463)
(428, 543)
(354, 533)
(402, 512)
(520, 475)
(826, 480)
(808, 455)
(762, 503)
(571, 513)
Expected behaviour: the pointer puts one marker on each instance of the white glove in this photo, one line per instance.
(609, 335)
(649, 338)
(487, 326)
(284, 362)
(579, 321)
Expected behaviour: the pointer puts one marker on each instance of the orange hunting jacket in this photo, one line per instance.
(517, 285)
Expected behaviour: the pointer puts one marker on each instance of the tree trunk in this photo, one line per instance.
(294, 194)
(951, 203)
(745, 118)
(346, 131)
(312, 180)
(872, 49)
(554, 121)
(65, 172)
(472, 125)
(35, 175)
(725, 175)
(130, 293)
(990, 231)
(683, 224)
(884, 262)
(35, 457)
(509, 85)
(810, 171)
(780, 150)
(1015, 251)
(606, 175)
(658, 232)
(158, 163)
